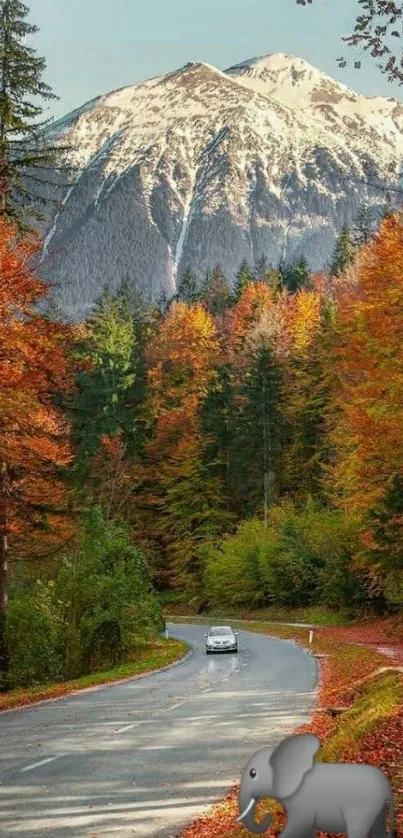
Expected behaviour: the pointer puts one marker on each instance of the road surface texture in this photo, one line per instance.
(144, 757)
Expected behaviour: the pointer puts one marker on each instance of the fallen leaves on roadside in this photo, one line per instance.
(346, 665)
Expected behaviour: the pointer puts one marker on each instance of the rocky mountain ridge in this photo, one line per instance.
(200, 167)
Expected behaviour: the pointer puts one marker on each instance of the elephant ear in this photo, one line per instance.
(290, 761)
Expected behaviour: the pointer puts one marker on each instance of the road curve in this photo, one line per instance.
(144, 757)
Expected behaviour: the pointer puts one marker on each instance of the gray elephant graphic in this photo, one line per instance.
(331, 797)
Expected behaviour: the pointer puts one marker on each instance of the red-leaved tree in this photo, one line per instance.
(34, 366)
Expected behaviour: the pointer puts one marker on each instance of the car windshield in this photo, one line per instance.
(214, 632)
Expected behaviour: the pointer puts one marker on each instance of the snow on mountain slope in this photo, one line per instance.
(200, 167)
(302, 87)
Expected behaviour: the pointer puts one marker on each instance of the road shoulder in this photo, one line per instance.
(166, 654)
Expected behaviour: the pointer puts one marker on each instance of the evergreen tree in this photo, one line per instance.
(187, 289)
(193, 512)
(385, 520)
(295, 275)
(243, 278)
(273, 279)
(262, 269)
(105, 398)
(308, 399)
(205, 284)
(362, 231)
(343, 253)
(164, 302)
(216, 413)
(145, 318)
(259, 433)
(216, 293)
(26, 155)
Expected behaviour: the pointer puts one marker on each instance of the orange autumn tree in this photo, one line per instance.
(180, 492)
(33, 435)
(367, 476)
(256, 300)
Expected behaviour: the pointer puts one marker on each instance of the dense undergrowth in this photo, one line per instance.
(92, 609)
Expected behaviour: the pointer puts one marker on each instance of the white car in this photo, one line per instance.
(221, 639)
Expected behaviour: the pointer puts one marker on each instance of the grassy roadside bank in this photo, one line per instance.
(369, 729)
(148, 657)
(316, 615)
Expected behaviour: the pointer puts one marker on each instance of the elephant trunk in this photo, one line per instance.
(247, 816)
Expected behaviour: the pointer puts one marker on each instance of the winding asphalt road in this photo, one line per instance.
(144, 757)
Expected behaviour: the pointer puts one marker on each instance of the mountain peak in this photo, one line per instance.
(273, 63)
(192, 66)
(199, 167)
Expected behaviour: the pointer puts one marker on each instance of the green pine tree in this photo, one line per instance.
(29, 163)
(363, 228)
(295, 275)
(385, 520)
(262, 269)
(343, 253)
(308, 403)
(164, 302)
(145, 317)
(104, 403)
(216, 412)
(243, 278)
(192, 513)
(187, 289)
(259, 435)
(216, 292)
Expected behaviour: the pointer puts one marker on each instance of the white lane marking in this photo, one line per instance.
(38, 764)
(128, 727)
(207, 690)
(174, 706)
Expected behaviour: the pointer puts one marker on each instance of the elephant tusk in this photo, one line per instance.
(245, 812)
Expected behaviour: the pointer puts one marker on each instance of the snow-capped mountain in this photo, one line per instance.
(295, 83)
(200, 167)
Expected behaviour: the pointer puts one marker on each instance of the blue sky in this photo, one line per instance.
(94, 46)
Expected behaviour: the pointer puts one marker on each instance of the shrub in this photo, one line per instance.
(34, 632)
(304, 557)
(99, 605)
(109, 601)
(233, 570)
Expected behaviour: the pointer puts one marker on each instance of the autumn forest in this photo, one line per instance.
(234, 447)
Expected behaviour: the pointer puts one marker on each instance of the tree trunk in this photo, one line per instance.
(4, 655)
